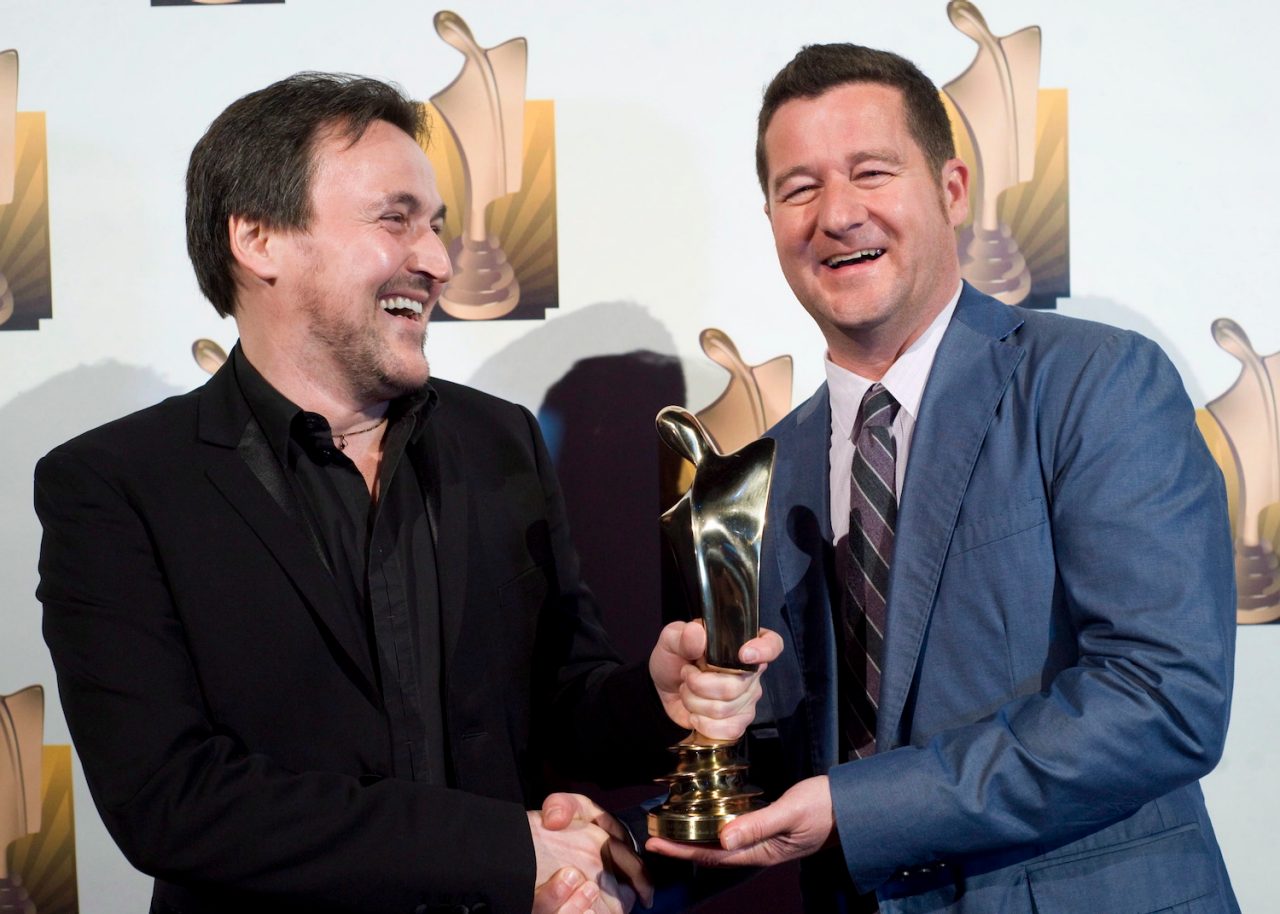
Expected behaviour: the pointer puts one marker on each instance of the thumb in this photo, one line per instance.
(754, 827)
(558, 811)
(693, 641)
(548, 897)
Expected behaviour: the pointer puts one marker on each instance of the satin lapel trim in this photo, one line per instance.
(224, 424)
(447, 506)
(802, 519)
(969, 376)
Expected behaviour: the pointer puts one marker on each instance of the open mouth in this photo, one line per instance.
(399, 306)
(866, 255)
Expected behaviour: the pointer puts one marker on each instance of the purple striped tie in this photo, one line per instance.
(873, 510)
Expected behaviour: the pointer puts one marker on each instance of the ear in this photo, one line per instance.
(955, 191)
(255, 247)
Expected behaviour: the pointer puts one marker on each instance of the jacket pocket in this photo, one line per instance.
(994, 527)
(1142, 876)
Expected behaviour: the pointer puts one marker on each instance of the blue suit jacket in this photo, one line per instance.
(1058, 659)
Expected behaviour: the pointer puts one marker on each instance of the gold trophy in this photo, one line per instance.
(1250, 420)
(715, 530)
(8, 155)
(21, 749)
(996, 98)
(484, 109)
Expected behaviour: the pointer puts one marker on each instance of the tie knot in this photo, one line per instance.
(878, 407)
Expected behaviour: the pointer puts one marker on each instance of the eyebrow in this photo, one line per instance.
(865, 155)
(410, 202)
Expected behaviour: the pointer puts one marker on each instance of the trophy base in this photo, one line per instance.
(1257, 583)
(992, 262)
(484, 286)
(707, 790)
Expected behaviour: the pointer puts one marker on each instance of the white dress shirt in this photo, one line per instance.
(905, 381)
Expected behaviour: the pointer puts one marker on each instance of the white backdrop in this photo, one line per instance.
(1173, 213)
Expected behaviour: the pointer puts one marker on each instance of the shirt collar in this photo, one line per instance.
(281, 418)
(904, 380)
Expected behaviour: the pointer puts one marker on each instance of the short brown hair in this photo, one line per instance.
(256, 160)
(819, 67)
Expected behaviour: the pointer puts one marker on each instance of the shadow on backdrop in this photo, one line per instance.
(599, 421)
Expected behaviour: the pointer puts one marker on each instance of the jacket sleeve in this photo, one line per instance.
(1144, 589)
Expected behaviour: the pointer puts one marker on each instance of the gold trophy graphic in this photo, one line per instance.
(484, 110)
(8, 154)
(208, 355)
(21, 748)
(715, 531)
(1250, 422)
(996, 99)
(755, 398)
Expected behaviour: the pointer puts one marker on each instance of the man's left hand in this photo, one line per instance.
(719, 705)
(798, 824)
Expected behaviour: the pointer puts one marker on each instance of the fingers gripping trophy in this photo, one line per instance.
(715, 531)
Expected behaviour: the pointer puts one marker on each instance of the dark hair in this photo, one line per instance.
(256, 160)
(819, 67)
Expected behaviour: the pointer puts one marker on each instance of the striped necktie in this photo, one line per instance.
(873, 510)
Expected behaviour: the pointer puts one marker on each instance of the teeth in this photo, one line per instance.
(399, 303)
(856, 257)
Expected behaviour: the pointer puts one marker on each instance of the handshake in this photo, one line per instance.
(584, 856)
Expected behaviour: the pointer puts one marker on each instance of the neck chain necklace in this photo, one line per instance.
(342, 439)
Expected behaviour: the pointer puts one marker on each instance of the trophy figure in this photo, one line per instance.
(715, 531)
(21, 750)
(484, 109)
(996, 99)
(1250, 421)
(8, 155)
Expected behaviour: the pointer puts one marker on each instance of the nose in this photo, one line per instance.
(841, 209)
(430, 256)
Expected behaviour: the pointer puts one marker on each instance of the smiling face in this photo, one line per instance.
(364, 275)
(864, 228)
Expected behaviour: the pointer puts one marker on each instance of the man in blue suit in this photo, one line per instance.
(998, 550)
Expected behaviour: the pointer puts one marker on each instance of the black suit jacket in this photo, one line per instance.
(224, 705)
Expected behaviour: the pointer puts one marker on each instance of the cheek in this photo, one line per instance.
(790, 234)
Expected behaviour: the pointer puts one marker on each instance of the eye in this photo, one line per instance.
(395, 218)
(800, 194)
(437, 227)
(872, 177)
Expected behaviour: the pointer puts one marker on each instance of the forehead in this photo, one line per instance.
(843, 120)
(385, 161)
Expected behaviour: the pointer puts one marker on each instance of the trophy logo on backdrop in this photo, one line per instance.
(1014, 135)
(26, 296)
(1242, 429)
(37, 833)
(754, 398)
(208, 2)
(495, 165)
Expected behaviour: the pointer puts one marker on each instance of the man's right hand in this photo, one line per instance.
(611, 872)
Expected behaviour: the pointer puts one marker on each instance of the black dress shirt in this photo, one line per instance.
(381, 555)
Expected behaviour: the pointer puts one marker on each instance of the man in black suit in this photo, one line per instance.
(318, 625)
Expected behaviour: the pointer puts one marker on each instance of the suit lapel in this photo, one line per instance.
(801, 536)
(241, 466)
(442, 480)
(969, 376)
